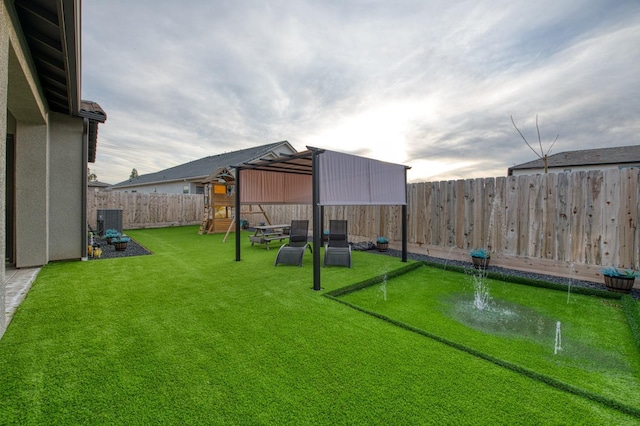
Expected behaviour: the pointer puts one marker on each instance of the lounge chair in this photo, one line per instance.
(337, 250)
(293, 252)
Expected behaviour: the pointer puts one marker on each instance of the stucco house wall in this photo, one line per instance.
(44, 196)
(27, 106)
(23, 111)
(32, 199)
(65, 206)
(4, 83)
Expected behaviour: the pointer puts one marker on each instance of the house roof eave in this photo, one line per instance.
(52, 32)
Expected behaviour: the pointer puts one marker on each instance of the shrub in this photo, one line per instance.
(479, 252)
(615, 272)
(111, 233)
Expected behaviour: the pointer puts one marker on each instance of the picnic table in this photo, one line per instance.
(264, 234)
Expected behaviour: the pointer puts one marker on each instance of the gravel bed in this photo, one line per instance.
(109, 251)
(635, 293)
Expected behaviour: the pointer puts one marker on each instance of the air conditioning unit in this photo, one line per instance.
(109, 219)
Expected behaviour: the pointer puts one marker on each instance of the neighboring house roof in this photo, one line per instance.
(199, 169)
(97, 184)
(620, 155)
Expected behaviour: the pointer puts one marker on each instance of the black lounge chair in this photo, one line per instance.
(293, 252)
(337, 250)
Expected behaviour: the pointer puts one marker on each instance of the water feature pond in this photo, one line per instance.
(583, 341)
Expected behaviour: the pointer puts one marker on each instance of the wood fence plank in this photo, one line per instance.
(459, 224)
(428, 226)
(578, 216)
(450, 214)
(611, 218)
(413, 221)
(593, 219)
(628, 216)
(548, 231)
(477, 212)
(442, 198)
(468, 215)
(472, 231)
(636, 244)
(523, 215)
(535, 217)
(489, 222)
(435, 214)
(563, 216)
(499, 227)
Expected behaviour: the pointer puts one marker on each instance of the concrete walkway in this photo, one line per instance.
(17, 284)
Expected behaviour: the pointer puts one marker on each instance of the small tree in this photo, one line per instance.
(542, 155)
(134, 174)
(91, 177)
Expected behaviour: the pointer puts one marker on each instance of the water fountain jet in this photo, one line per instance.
(383, 288)
(482, 298)
(558, 343)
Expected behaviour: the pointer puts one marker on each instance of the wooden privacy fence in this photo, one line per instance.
(582, 217)
(140, 210)
(588, 218)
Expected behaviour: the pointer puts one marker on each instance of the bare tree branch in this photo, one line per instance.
(554, 142)
(524, 139)
(539, 139)
(543, 155)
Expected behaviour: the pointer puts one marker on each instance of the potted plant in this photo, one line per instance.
(480, 258)
(619, 281)
(382, 243)
(120, 243)
(96, 251)
(110, 234)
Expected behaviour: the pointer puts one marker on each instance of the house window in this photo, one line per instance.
(185, 189)
(199, 189)
(567, 170)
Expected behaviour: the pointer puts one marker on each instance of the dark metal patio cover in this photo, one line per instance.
(322, 178)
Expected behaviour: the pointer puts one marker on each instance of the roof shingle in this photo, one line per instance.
(203, 167)
(586, 157)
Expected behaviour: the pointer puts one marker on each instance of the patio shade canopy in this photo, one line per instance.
(322, 178)
(343, 179)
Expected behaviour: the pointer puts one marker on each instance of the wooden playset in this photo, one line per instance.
(219, 204)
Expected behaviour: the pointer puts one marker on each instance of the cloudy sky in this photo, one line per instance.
(427, 83)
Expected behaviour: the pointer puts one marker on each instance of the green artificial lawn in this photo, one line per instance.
(189, 336)
(595, 350)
